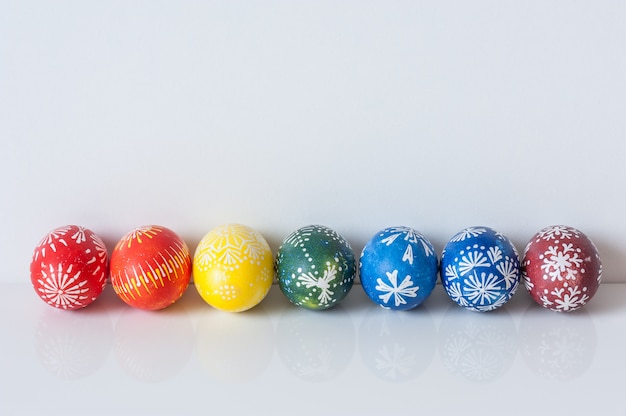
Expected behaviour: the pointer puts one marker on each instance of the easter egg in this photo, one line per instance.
(233, 268)
(480, 269)
(150, 267)
(69, 267)
(315, 267)
(398, 268)
(561, 268)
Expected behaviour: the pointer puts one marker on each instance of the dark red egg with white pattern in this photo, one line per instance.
(150, 267)
(69, 267)
(561, 268)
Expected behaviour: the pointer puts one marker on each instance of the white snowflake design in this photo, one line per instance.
(303, 234)
(483, 289)
(495, 305)
(399, 292)
(298, 237)
(411, 236)
(230, 246)
(567, 298)
(79, 235)
(101, 250)
(495, 254)
(50, 240)
(204, 260)
(509, 272)
(61, 288)
(408, 254)
(557, 232)
(472, 260)
(323, 283)
(468, 233)
(396, 362)
(99, 256)
(558, 264)
(527, 282)
(451, 272)
(456, 294)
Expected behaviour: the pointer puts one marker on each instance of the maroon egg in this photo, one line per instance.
(561, 268)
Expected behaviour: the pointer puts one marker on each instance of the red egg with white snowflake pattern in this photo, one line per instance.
(150, 267)
(69, 267)
(561, 268)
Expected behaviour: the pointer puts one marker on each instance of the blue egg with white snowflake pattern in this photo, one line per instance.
(398, 268)
(480, 269)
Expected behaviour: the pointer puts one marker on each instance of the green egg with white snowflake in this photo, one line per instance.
(315, 267)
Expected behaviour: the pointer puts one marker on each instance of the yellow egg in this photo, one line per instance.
(233, 268)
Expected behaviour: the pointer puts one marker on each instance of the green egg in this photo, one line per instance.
(315, 267)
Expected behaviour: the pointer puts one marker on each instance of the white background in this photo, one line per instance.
(353, 114)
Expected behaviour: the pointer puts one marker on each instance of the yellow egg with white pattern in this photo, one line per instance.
(233, 268)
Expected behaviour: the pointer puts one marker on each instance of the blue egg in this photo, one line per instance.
(398, 268)
(480, 269)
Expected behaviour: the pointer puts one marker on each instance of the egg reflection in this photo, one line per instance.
(153, 346)
(235, 347)
(397, 345)
(315, 346)
(562, 347)
(74, 345)
(477, 347)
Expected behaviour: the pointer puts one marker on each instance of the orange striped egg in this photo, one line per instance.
(150, 267)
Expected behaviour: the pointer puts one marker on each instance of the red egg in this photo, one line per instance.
(69, 267)
(561, 268)
(150, 267)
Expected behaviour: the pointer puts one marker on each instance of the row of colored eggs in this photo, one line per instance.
(233, 267)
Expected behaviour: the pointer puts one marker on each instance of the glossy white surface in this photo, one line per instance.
(278, 359)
